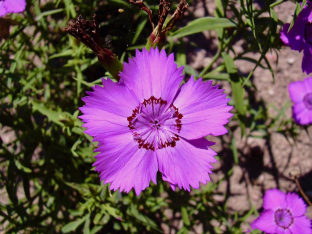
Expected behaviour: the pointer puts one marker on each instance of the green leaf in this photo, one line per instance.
(62, 54)
(53, 116)
(46, 13)
(139, 30)
(234, 150)
(185, 217)
(21, 167)
(86, 228)
(72, 226)
(217, 76)
(142, 218)
(95, 229)
(204, 24)
(237, 89)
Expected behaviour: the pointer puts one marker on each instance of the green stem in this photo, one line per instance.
(218, 54)
(110, 62)
(276, 3)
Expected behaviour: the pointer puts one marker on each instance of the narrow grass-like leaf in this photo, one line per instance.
(204, 24)
(234, 150)
(138, 31)
(237, 89)
(46, 13)
(72, 226)
(53, 116)
(185, 216)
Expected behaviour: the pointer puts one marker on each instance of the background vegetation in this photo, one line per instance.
(47, 181)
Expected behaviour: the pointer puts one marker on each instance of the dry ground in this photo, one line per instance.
(263, 164)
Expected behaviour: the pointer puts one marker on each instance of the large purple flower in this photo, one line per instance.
(300, 36)
(147, 122)
(11, 6)
(282, 214)
(301, 94)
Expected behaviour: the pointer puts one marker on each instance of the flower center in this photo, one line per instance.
(283, 218)
(154, 125)
(308, 100)
(308, 33)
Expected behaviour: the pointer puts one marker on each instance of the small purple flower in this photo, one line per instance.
(147, 122)
(301, 94)
(300, 36)
(282, 214)
(11, 6)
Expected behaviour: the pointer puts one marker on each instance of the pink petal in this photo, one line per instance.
(187, 164)
(265, 222)
(301, 225)
(274, 199)
(308, 84)
(280, 230)
(295, 37)
(137, 172)
(124, 165)
(307, 58)
(12, 6)
(114, 98)
(106, 110)
(152, 74)
(295, 204)
(303, 117)
(204, 109)
(297, 90)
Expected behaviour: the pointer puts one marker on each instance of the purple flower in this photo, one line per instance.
(147, 122)
(300, 36)
(282, 214)
(301, 94)
(11, 6)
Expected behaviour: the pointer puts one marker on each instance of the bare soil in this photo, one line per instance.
(263, 164)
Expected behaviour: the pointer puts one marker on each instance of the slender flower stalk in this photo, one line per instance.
(148, 123)
(88, 33)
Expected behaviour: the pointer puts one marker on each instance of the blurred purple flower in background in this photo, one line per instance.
(283, 213)
(300, 36)
(301, 94)
(147, 122)
(11, 6)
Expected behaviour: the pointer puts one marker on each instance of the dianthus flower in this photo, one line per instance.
(301, 94)
(11, 6)
(147, 122)
(300, 36)
(282, 214)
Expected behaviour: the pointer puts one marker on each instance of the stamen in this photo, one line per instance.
(283, 218)
(307, 100)
(149, 123)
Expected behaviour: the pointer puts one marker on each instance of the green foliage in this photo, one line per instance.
(47, 181)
